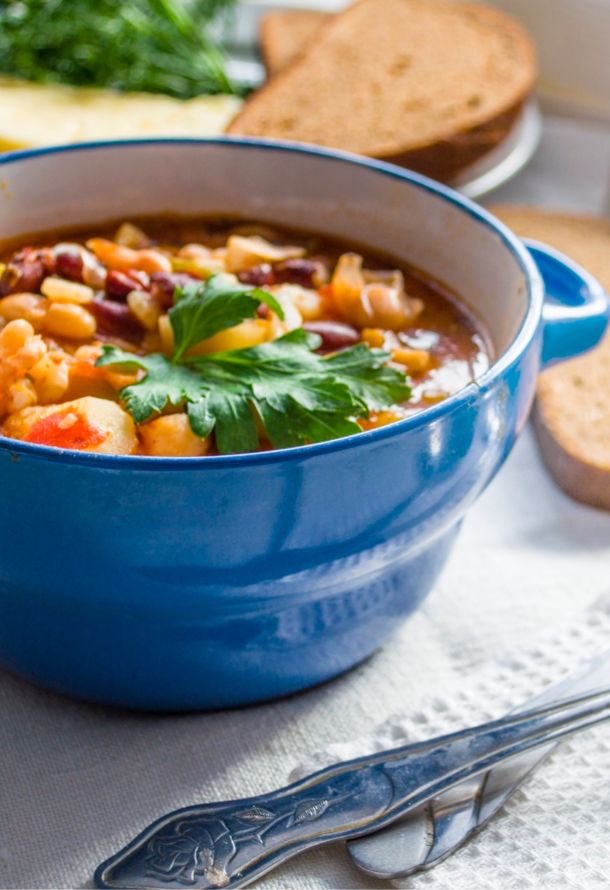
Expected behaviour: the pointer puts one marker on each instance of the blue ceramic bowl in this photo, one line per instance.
(164, 583)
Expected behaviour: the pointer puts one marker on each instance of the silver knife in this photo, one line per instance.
(432, 832)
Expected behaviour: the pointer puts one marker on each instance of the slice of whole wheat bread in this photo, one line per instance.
(572, 414)
(285, 33)
(429, 84)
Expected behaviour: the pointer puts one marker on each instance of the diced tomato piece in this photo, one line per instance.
(66, 429)
(85, 369)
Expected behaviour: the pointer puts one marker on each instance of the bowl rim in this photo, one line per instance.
(519, 343)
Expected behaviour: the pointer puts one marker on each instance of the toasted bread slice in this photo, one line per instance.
(35, 114)
(429, 84)
(284, 34)
(572, 415)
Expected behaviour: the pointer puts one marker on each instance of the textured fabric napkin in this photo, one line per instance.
(532, 843)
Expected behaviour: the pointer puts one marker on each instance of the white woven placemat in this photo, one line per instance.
(553, 833)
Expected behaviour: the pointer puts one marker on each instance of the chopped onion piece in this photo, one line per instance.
(243, 253)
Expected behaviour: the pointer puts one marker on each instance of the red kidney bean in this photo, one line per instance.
(307, 273)
(164, 284)
(24, 272)
(334, 334)
(69, 264)
(47, 257)
(120, 284)
(258, 276)
(76, 263)
(115, 319)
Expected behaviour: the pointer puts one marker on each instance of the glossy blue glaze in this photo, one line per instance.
(171, 584)
(575, 313)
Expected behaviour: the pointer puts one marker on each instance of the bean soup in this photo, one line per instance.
(186, 338)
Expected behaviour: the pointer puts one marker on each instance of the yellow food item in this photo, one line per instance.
(251, 332)
(20, 350)
(59, 290)
(145, 308)
(299, 304)
(29, 307)
(374, 337)
(381, 418)
(50, 376)
(21, 394)
(69, 320)
(372, 299)
(245, 253)
(101, 343)
(88, 424)
(124, 259)
(44, 114)
(415, 360)
(166, 334)
(171, 436)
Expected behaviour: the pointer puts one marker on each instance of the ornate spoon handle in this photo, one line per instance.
(229, 844)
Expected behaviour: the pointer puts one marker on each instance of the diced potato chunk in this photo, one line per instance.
(87, 424)
(251, 332)
(172, 436)
(145, 308)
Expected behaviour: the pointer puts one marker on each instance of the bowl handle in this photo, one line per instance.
(576, 308)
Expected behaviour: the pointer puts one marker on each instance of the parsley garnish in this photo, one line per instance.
(200, 312)
(296, 395)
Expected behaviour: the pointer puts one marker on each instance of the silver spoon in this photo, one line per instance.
(432, 832)
(231, 843)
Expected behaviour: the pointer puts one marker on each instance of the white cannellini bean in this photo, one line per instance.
(60, 290)
(69, 320)
(29, 307)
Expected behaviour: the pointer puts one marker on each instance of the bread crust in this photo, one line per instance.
(448, 153)
(282, 35)
(572, 411)
(578, 477)
(446, 159)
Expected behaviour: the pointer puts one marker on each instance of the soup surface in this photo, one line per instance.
(187, 338)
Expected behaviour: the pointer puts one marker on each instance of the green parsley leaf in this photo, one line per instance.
(233, 421)
(301, 397)
(164, 384)
(369, 377)
(203, 309)
(297, 396)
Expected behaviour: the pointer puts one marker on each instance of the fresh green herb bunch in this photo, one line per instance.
(283, 386)
(160, 46)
